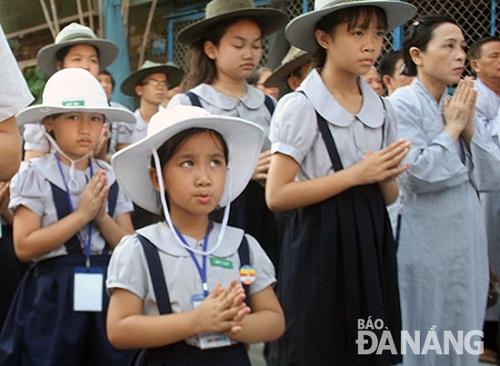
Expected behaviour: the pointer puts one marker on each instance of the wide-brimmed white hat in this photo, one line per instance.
(269, 20)
(294, 59)
(71, 35)
(243, 139)
(300, 30)
(73, 90)
(173, 72)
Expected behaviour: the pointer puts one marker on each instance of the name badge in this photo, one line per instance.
(205, 341)
(88, 289)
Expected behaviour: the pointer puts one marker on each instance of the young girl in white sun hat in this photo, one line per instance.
(176, 286)
(68, 215)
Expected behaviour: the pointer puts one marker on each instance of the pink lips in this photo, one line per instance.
(203, 198)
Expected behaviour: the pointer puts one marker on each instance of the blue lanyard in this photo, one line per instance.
(202, 270)
(86, 245)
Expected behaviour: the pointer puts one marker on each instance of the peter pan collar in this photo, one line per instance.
(163, 238)
(371, 114)
(253, 99)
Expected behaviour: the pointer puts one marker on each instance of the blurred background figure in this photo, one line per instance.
(259, 77)
(293, 69)
(373, 79)
(391, 69)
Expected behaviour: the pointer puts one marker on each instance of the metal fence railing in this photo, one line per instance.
(478, 19)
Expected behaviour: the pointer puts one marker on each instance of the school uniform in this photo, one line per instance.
(140, 127)
(128, 269)
(442, 253)
(338, 263)
(249, 211)
(41, 327)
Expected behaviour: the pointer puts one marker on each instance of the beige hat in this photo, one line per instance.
(269, 20)
(300, 30)
(73, 90)
(71, 35)
(243, 139)
(294, 59)
(173, 72)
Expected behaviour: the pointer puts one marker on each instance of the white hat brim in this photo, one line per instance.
(46, 56)
(300, 30)
(36, 113)
(244, 141)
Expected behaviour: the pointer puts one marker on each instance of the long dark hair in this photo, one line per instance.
(419, 36)
(351, 16)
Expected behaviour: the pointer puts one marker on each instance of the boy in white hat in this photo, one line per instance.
(77, 46)
(68, 214)
(176, 286)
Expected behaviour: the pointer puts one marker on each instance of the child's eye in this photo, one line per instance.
(187, 164)
(216, 163)
(73, 117)
(97, 118)
(381, 34)
(357, 33)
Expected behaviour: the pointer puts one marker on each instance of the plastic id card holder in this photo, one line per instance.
(88, 289)
(213, 340)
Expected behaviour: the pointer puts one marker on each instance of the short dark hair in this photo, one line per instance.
(387, 65)
(106, 72)
(419, 35)
(475, 50)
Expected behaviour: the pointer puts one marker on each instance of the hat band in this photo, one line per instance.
(76, 36)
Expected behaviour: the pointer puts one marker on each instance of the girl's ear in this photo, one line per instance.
(47, 122)
(59, 65)
(415, 55)
(138, 90)
(210, 50)
(322, 38)
(154, 178)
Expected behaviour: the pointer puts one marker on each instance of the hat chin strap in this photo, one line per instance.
(168, 219)
(72, 183)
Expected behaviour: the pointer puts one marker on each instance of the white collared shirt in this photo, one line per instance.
(251, 107)
(128, 268)
(294, 128)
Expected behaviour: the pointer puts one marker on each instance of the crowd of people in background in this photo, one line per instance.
(241, 204)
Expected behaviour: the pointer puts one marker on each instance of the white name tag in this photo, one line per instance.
(88, 289)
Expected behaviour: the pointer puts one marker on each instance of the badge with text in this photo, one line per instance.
(247, 275)
(205, 341)
(88, 289)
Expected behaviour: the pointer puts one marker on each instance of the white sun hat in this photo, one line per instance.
(300, 30)
(73, 90)
(243, 139)
(71, 35)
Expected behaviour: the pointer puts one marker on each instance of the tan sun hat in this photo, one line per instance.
(300, 30)
(243, 139)
(294, 59)
(269, 20)
(173, 72)
(73, 90)
(74, 34)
